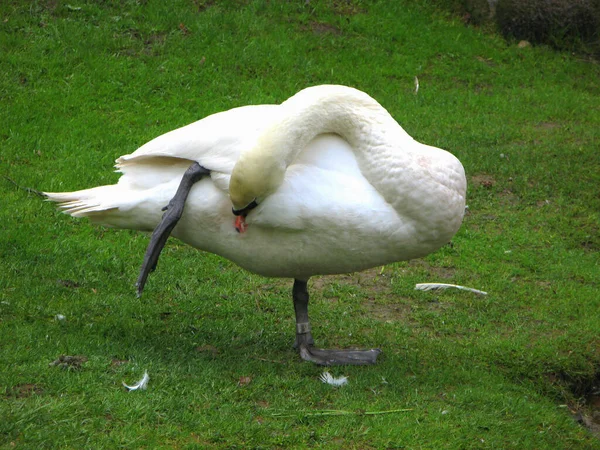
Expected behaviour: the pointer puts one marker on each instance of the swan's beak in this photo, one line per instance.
(240, 224)
(240, 220)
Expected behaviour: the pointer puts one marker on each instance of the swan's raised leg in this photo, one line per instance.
(173, 213)
(304, 339)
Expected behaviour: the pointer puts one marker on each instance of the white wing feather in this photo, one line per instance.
(435, 286)
(327, 378)
(142, 384)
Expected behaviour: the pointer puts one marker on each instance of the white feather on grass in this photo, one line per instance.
(435, 286)
(142, 384)
(327, 378)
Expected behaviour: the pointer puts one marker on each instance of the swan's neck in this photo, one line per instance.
(350, 113)
(345, 111)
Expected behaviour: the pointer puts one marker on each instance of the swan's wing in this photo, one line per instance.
(152, 173)
(215, 142)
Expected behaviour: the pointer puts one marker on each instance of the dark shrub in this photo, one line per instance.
(560, 23)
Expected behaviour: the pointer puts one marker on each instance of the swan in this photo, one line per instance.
(327, 182)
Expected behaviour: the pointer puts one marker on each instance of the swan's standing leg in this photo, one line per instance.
(173, 213)
(300, 296)
(304, 339)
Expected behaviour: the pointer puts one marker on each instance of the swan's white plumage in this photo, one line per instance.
(355, 189)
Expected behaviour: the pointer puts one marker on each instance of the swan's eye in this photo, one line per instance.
(245, 210)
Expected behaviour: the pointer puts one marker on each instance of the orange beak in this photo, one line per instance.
(240, 224)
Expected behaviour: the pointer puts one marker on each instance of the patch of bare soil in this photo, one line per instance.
(483, 180)
(68, 362)
(588, 413)
(203, 5)
(386, 312)
(320, 28)
(548, 125)
(586, 406)
(116, 362)
(590, 420)
(434, 273)
(374, 280)
(25, 390)
(347, 8)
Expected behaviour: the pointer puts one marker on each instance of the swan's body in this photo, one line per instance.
(340, 186)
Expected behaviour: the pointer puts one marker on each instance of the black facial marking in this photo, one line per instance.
(245, 210)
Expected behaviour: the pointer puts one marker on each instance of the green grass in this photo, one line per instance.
(85, 82)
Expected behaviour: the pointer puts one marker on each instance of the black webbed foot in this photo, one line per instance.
(305, 342)
(173, 213)
(339, 357)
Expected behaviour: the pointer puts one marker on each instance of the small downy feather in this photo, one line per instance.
(327, 378)
(435, 286)
(142, 384)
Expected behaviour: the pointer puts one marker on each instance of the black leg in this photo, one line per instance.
(173, 213)
(300, 296)
(304, 339)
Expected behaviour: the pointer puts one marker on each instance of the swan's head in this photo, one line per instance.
(257, 174)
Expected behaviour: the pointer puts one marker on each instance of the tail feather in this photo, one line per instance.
(135, 202)
(111, 206)
(84, 203)
(81, 209)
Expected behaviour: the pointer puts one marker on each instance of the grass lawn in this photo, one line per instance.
(85, 82)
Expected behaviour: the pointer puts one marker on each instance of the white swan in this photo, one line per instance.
(327, 182)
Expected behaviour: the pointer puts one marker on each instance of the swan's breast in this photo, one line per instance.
(324, 185)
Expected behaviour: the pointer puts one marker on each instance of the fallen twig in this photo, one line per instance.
(30, 190)
(336, 412)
